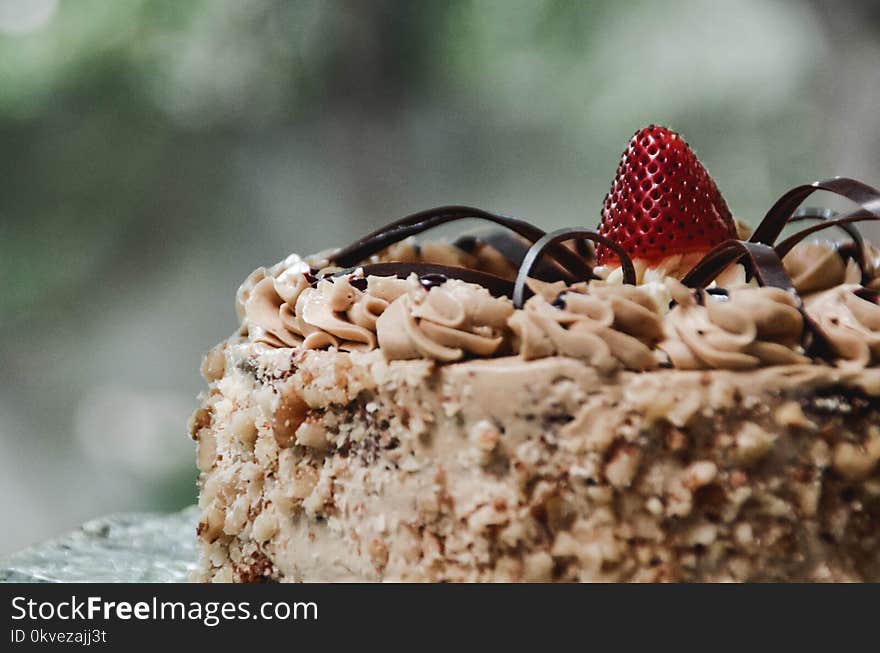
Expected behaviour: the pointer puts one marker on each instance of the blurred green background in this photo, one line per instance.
(154, 152)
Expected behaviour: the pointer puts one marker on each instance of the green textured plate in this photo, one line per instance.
(127, 548)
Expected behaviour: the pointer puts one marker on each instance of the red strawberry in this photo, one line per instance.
(662, 201)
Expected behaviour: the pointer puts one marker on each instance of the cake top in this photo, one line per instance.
(668, 280)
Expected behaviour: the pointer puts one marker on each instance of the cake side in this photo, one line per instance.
(669, 397)
(334, 466)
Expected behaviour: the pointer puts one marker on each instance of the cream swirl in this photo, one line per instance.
(444, 323)
(747, 328)
(605, 325)
(287, 311)
(849, 318)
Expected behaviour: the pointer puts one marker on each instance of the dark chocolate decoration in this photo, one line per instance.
(432, 280)
(435, 275)
(781, 212)
(574, 266)
(766, 265)
(360, 283)
(544, 244)
(862, 215)
(761, 261)
(765, 262)
(868, 294)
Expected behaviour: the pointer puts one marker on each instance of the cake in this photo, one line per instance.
(668, 398)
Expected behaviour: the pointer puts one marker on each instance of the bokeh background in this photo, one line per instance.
(154, 152)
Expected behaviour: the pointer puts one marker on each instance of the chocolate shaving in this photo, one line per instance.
(543, 246)
(781, 212)
(761, 261)
(434, 275)
(573, 265)
(862, 215)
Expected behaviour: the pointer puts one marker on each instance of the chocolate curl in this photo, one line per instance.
(558, 236)
(813, 213)
(856, 251)
(781, 212)
(572, 265)
(435, 274)
(862, 215)
(761, 261)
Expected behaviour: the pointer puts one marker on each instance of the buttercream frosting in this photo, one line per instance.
(444, 323)
(609, 326)
(741, 329)
(849, 317)
(288, 311)
(818, 266)
(298, 303)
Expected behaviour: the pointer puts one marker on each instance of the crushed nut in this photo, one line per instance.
(201, 419)
(304, 481)
(243, 428)
(485, 436)
(206, 451)
(699, 474)
(676, 440)
(790, 414)
(856, 463)
(538, 567)
(265, 526)
(214, 364)
(289, 414)
(621, 469)
(311, 434)
(378, 554)
(753, 443)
